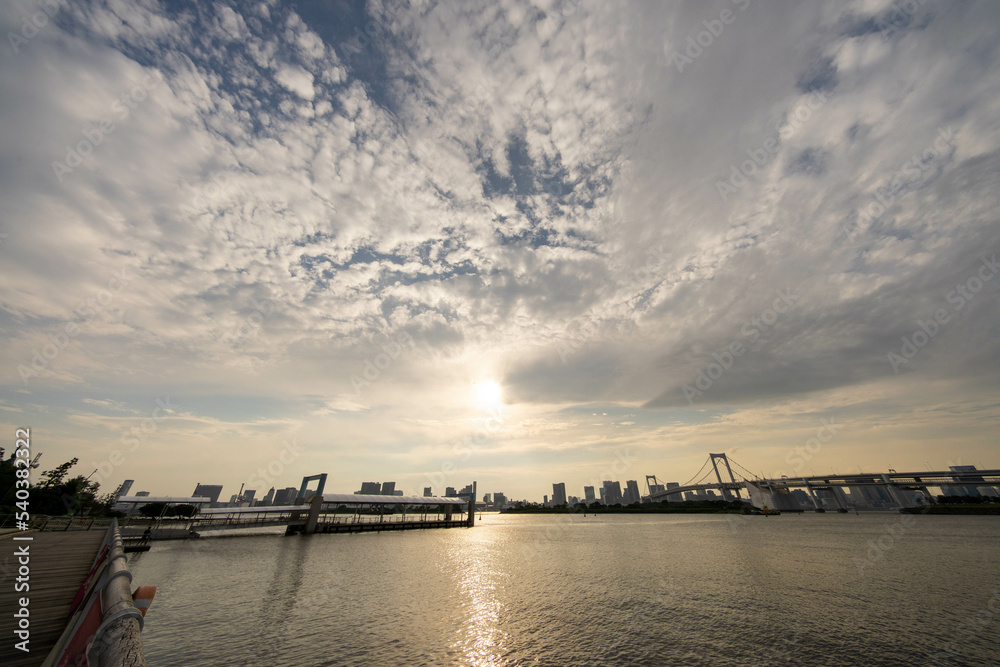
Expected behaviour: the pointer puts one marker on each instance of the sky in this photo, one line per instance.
(512, 242)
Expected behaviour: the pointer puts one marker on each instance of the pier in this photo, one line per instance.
(317, 513)
(79, 600)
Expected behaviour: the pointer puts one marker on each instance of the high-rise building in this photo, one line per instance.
(389, 488)
(487, 500)
(612, 492)
(371, 488)
(545, 500)
(588, 494)
(248, 496)
(212, 491)
(268, 497)
(428, 492)
(499, 500)
(285, 496)
(449, 492)
(559, 493)
(631, 492)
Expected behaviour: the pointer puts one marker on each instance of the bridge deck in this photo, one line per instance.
(59, 563)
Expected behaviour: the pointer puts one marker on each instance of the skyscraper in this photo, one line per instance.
(631, 492)
(388, 488)
(285, 496)
(588, 494)
(212, 491)
(268, 497)
(372, 488)
(499, 500)
(559, 493)
(428, 492)
(612, 492)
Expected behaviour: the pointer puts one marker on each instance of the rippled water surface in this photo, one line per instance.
(810, 589)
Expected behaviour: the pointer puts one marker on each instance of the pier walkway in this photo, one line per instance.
(58, 565)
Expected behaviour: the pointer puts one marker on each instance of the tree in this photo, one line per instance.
(152, 510)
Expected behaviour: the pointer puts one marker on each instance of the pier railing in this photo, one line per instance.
(106, 625)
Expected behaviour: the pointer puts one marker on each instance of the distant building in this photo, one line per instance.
(545, 500)
(268, 498)
(449, 492)
(572, 500)
(285, 496)
(656, 488)
(124, 488)
(559, 493)
(248, 496)
(141, 494)
(428, 492)
(389, 489)
(371, 488)
(588, 494)
(212, 491)
(631, 492)
(963, 490)
(612, 492)
(465, 490)
(486, 499)
(499, 500)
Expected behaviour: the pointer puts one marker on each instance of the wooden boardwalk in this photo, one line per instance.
(59, 564)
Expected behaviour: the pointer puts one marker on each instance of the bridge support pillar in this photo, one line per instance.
(313, 519)
(812, 496)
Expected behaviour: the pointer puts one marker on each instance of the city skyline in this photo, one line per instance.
(250, 243)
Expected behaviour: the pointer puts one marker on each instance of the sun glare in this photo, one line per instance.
(488, 394)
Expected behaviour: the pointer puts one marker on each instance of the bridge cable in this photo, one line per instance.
(688, 483)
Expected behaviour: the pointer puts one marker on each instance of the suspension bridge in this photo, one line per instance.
(862, 491)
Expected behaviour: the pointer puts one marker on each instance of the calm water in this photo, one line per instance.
(569, 590)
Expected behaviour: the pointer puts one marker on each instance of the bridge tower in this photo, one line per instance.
(726, 493)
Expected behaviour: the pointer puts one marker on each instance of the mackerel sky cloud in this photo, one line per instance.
(498, 241)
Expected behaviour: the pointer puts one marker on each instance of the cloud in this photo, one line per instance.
(527, 195)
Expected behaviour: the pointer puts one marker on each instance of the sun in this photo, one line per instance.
(488, 393)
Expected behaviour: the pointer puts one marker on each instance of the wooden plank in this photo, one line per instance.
(59, 563)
